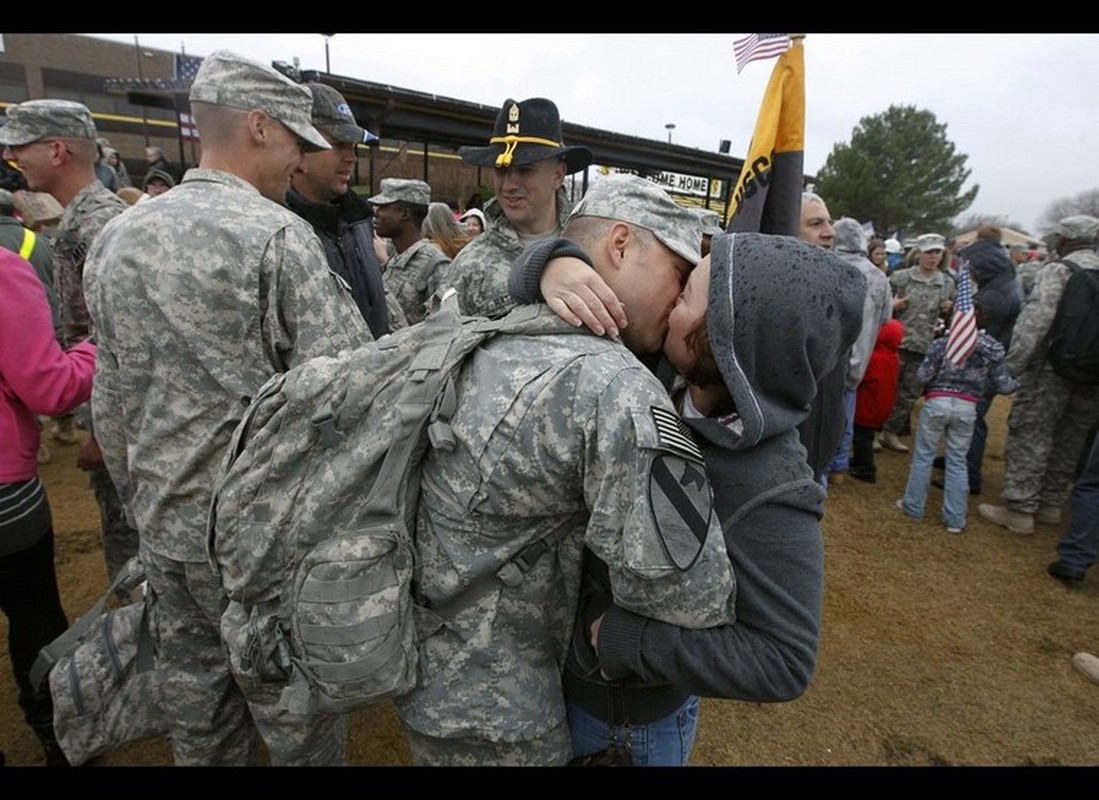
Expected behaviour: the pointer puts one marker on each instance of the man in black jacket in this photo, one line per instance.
(321, 194)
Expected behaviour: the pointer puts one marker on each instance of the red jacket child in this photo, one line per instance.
(877, 393)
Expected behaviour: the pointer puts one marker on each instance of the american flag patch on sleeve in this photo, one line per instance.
(674, 434)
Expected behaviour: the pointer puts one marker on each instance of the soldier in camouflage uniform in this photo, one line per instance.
(923, 293)
(197, 299)
(413, 273)
(1050, 418)
(566, 444)
(529, 162)
(53, 141)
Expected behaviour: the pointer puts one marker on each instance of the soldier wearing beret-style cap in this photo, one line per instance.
(529, 161)
(198, 298)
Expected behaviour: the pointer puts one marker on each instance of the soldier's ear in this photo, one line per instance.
(618, 238)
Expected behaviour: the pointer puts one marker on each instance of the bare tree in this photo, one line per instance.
(973, 221)
(1086, 202)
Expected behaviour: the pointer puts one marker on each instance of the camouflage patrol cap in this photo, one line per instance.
(1079, 227)
(631, 199)
(40, 119)
(227, 79)
(332, 115)
(711, 222)
(406, 190)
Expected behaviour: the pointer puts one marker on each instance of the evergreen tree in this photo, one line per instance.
(899, 171)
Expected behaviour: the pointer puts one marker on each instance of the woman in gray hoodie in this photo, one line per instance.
(759, 322)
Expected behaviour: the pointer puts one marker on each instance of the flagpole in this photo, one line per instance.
(179, 120)
(141, 78)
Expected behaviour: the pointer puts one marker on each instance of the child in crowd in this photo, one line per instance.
(951, 392)
(874, 399)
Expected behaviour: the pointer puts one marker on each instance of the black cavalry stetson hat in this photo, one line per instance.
(525, 132)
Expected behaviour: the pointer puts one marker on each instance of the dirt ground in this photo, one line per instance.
(937, 649)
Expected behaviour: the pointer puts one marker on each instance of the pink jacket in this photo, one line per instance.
(36, 375)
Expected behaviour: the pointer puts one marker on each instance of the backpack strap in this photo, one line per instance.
(129, 578)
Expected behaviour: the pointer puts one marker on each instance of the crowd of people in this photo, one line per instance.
(628, 518)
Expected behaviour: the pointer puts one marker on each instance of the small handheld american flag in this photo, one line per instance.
(962, 340)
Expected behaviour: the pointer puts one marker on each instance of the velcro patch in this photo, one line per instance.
(682, 505)
(673, 434)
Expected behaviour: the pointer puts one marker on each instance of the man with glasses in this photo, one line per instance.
(54, 143)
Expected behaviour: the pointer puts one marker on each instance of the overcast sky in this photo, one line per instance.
(1024, 108)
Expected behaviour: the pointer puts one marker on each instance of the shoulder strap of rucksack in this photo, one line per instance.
(525, 320)
(129, 578)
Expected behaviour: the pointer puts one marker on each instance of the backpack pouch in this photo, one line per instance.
(352, 635)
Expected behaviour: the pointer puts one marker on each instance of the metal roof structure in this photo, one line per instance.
(395, 113)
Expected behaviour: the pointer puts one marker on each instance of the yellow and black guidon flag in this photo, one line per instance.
(767, 198)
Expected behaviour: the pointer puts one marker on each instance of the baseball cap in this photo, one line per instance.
(639, 202)
(39, 119)
(332, 115)
(711, 222)
(227, 79)
(474, 212)
(407, 190)
(930, 241)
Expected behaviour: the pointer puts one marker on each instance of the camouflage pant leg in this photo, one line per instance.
(1036, 411)
(908, 392)
(211, 722)
(552, 749)
(1070, 436)
(297, 740)
(119, 539)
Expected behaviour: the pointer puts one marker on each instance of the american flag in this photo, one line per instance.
(759, 45)
(187, 66)
(962, 339)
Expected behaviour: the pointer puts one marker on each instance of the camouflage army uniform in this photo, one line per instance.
(562, 439)
(924, 294)
(479, 273)
(1050, 418)
(413, 276)
(92, 208)
(197, 299)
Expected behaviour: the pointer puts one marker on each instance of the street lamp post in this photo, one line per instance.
(327, 63)
(671, 127)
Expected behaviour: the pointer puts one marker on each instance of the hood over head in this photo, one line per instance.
(782, 313)
(987, 260)
(890, 335)
(849, 237)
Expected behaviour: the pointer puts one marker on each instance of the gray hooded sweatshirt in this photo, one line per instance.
(780, 315)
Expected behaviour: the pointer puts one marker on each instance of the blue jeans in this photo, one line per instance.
(1079, 545)
(952, 418)
(666, 742)
(841, 461)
